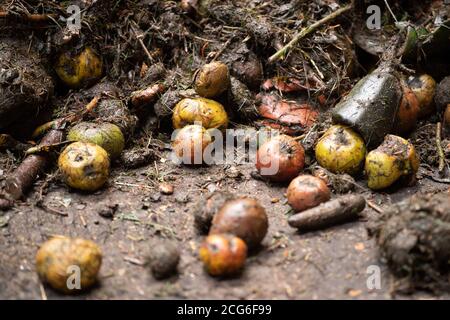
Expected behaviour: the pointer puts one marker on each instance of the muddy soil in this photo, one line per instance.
(129, 215)
(325, 264)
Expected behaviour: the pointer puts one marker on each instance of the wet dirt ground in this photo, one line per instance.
(328, 264)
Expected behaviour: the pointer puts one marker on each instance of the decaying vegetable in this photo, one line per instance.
(393, 159)
(209, 113)
(424, 87)
(212, 79)
(164, 258)
(190, 143)
(341, 150)
(223, 254)
(57, 261)
(371, 106)
(408, 111)
(291, 117)
(84, 166)
(244, 218)
(79, 69)
(106, 135)
(342, 209)
(280, 159)
(306, 192)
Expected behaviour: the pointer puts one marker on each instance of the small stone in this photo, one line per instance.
(182, 198)
(156, 197)
(166, 188)
(275, 200)
(108, 211)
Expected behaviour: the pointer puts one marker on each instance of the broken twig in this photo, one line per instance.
(327, 214)
(23, 177)
(304, 32)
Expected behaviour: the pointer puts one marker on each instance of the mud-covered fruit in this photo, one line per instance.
(223, 254)
(209, 113)
(243, 217)
(84, 166)
(341, 150)
(79, 69)
(306, 192)
(424, 87)
(60, 257)
(212, 79)
(190, 143)
(280, 159)
(106, 135)
(408, 111)
(164, 258)
(393, 159)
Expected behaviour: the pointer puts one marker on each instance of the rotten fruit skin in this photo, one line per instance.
(84, 166)
(106, 135)
(190, 143)
(57, 255)
(210, 113)
(223, 254)
(341, 150)
(79, 70)
(280, 159)
(244, 218)
(393, 159)
(212, 79)
(305, 192)
(424, 87)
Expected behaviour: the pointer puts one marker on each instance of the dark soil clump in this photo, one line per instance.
(414, 238)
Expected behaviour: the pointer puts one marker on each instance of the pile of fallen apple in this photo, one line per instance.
(238, 224)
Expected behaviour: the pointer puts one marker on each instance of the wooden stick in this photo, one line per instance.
(35, 17)
(336, 211)
(23, 177)
(304, 32)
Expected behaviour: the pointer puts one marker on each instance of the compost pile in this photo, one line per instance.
(98, 96)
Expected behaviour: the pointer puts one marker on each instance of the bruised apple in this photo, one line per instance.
(280, 159)
(190, 143)
(243, 217)
(79, 69)
(60, 257)
(306, 192)
(341, 150)
(223, 254)
(84, 166)
(209, 113)
(212, 79)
